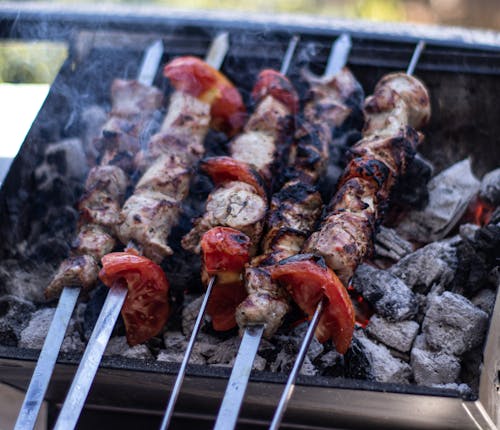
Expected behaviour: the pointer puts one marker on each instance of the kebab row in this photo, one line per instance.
(230, 231)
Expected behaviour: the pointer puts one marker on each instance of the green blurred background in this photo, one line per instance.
(39, 61)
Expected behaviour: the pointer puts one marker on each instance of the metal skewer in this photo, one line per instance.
(117, 294)
(69, 296)
(238, 381)
(290, 385)
(182, 370)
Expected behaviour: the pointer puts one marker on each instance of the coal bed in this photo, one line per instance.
(429, 335)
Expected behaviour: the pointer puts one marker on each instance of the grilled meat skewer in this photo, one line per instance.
(296, 208)
(133, 105)
(399, 103)
(239, 202)
(149, 214)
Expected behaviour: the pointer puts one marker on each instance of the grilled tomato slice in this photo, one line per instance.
(309, 280)
(146, 307)
(225, 252)
(225, 169)
(197, 78)
(271, 82)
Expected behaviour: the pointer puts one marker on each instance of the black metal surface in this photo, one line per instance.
(464, 124)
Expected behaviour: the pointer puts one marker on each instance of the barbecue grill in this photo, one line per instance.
(462, 72)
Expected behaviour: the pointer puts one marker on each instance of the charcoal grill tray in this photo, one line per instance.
(319, 402)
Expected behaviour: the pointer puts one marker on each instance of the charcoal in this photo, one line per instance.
(286, 359)
(485, 300)
(477, 257)
(34, 334)
(398, 335)
(471, 368)
(490, 187)
(450, 193)
(412, 189)
(453, 324)
(296, 337)
(190, 312)
(63, 160)
(383, 366)
(14, 316)
(432, 264)
(431, 367)
(118, 345)
(390, 245)
(388, 295)
(92, 120)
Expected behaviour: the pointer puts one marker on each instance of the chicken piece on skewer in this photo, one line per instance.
(203, 98)
(296, 208)
(239, 200)
(399, 103)
(133, 106)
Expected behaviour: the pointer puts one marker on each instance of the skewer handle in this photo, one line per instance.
(290, 384)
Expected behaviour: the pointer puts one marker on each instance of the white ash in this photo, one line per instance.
(285, 361)
(62, 160)
(226, 351)
(177, 357)
(453, 324)
(14, 315)
(388, 294)
(450, 193)
(433, 264)
(490, 187)
(27, 282)
(259, 363)
(384, 367)
(485, 300)
(430, 367)
(190, 313)
(467, 231)
(33, 336)
(174, 341)
(295, 338)
(330, 359)
(389, 244)
(118, 345)
(398, 335)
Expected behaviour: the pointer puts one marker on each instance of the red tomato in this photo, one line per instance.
(225, 249)
(146, 307)
(225, 252)
(223, 302)
(197, 78)
(225, 169)
(271, 82)
(309, 282)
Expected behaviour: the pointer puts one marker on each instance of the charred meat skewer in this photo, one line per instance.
(133, 105)
(294, 211)
(400, 104)
(137, 286)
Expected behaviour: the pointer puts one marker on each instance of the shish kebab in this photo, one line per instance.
(203, 97)
(399, 105)
(334, 98)
(133, 104)
(266, 127)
